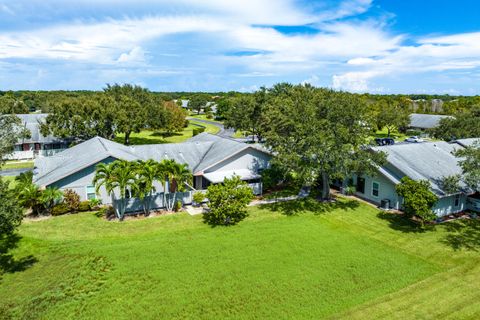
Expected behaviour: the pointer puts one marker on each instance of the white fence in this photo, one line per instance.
(32, 154)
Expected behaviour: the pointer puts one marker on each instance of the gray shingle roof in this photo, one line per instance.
(468, 142)
(425, 121)
(424, 161)
(198, 153)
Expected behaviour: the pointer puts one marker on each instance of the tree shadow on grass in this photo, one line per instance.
(401, 223)
(165, 134)
(310, 205)
(8, 263)
(463, 234)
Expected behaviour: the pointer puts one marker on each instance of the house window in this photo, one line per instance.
(375, 189)
(91, 194)
(457, 200)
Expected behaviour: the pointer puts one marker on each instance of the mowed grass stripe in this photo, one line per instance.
(269, 266)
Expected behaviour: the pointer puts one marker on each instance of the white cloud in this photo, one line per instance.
(6, 9)
(135, 56)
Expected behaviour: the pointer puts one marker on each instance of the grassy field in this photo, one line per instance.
(17, 165)
(151, 137)
(290, 260)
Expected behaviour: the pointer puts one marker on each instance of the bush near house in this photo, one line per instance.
(60, 209)
(71, 199)
(84, 206)
(418, 199)
(228, 202)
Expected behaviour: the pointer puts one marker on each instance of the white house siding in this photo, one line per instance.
(446, 205)
(79, 181)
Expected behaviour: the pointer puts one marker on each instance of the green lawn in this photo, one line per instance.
(290, 261)
(17, 165)
(152, 137)
(394, 134)
(10, 179)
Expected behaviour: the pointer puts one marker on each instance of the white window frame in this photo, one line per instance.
(86, 192)
(378, 189)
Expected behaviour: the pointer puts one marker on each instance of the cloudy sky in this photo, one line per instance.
(384, 46)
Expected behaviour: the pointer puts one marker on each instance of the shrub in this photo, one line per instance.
(228, 202)
(272, 177)
(84, 206)
(60, 209)
(72, 199)
(209, 115)
(106, 211)
(95, 203)
(349, 190)
(178, 206)
(198, 197)
(198, 130)
(418, 199)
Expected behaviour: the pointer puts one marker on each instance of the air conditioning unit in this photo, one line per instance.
(385, 204)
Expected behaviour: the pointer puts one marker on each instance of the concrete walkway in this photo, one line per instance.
(193, 211)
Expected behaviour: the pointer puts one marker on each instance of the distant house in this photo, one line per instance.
(431, 161)
(37, 145)
(423, 122)
(210, 158)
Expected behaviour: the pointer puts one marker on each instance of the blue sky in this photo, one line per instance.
(384, 46)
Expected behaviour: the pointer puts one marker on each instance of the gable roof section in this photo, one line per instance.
(426, 121)
(423, 161)
(199, 153)
(468, 142)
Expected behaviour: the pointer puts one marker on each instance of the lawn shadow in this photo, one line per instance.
(8, 263)
(165, 134)
(463, 234)
(401, 223)
(310, 205)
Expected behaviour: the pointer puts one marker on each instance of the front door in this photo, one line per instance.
(360, 185)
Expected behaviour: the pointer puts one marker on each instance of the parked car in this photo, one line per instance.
(384, 141)
(414, 139)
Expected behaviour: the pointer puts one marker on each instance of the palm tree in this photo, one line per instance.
(104, 177)
(177, 175)
(30, 196)
(24, 179)
(146, 172)
(123, 178)
(50, 197)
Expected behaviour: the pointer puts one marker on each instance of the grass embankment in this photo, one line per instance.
(290, 260)
(17, 165)
(153, 137)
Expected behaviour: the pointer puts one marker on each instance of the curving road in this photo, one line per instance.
(223, 132)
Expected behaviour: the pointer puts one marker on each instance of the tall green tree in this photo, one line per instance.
(11, 130)
(81, 118)
(391, 115)
(197, 102)
(177, 175)
(319, 134)
(246, 112)
(464, 125)
(11, 213)
(470, 164)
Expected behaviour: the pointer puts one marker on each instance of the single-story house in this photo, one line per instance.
(431, 161)
(37, 145)
(210, 158)
(423, 122)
